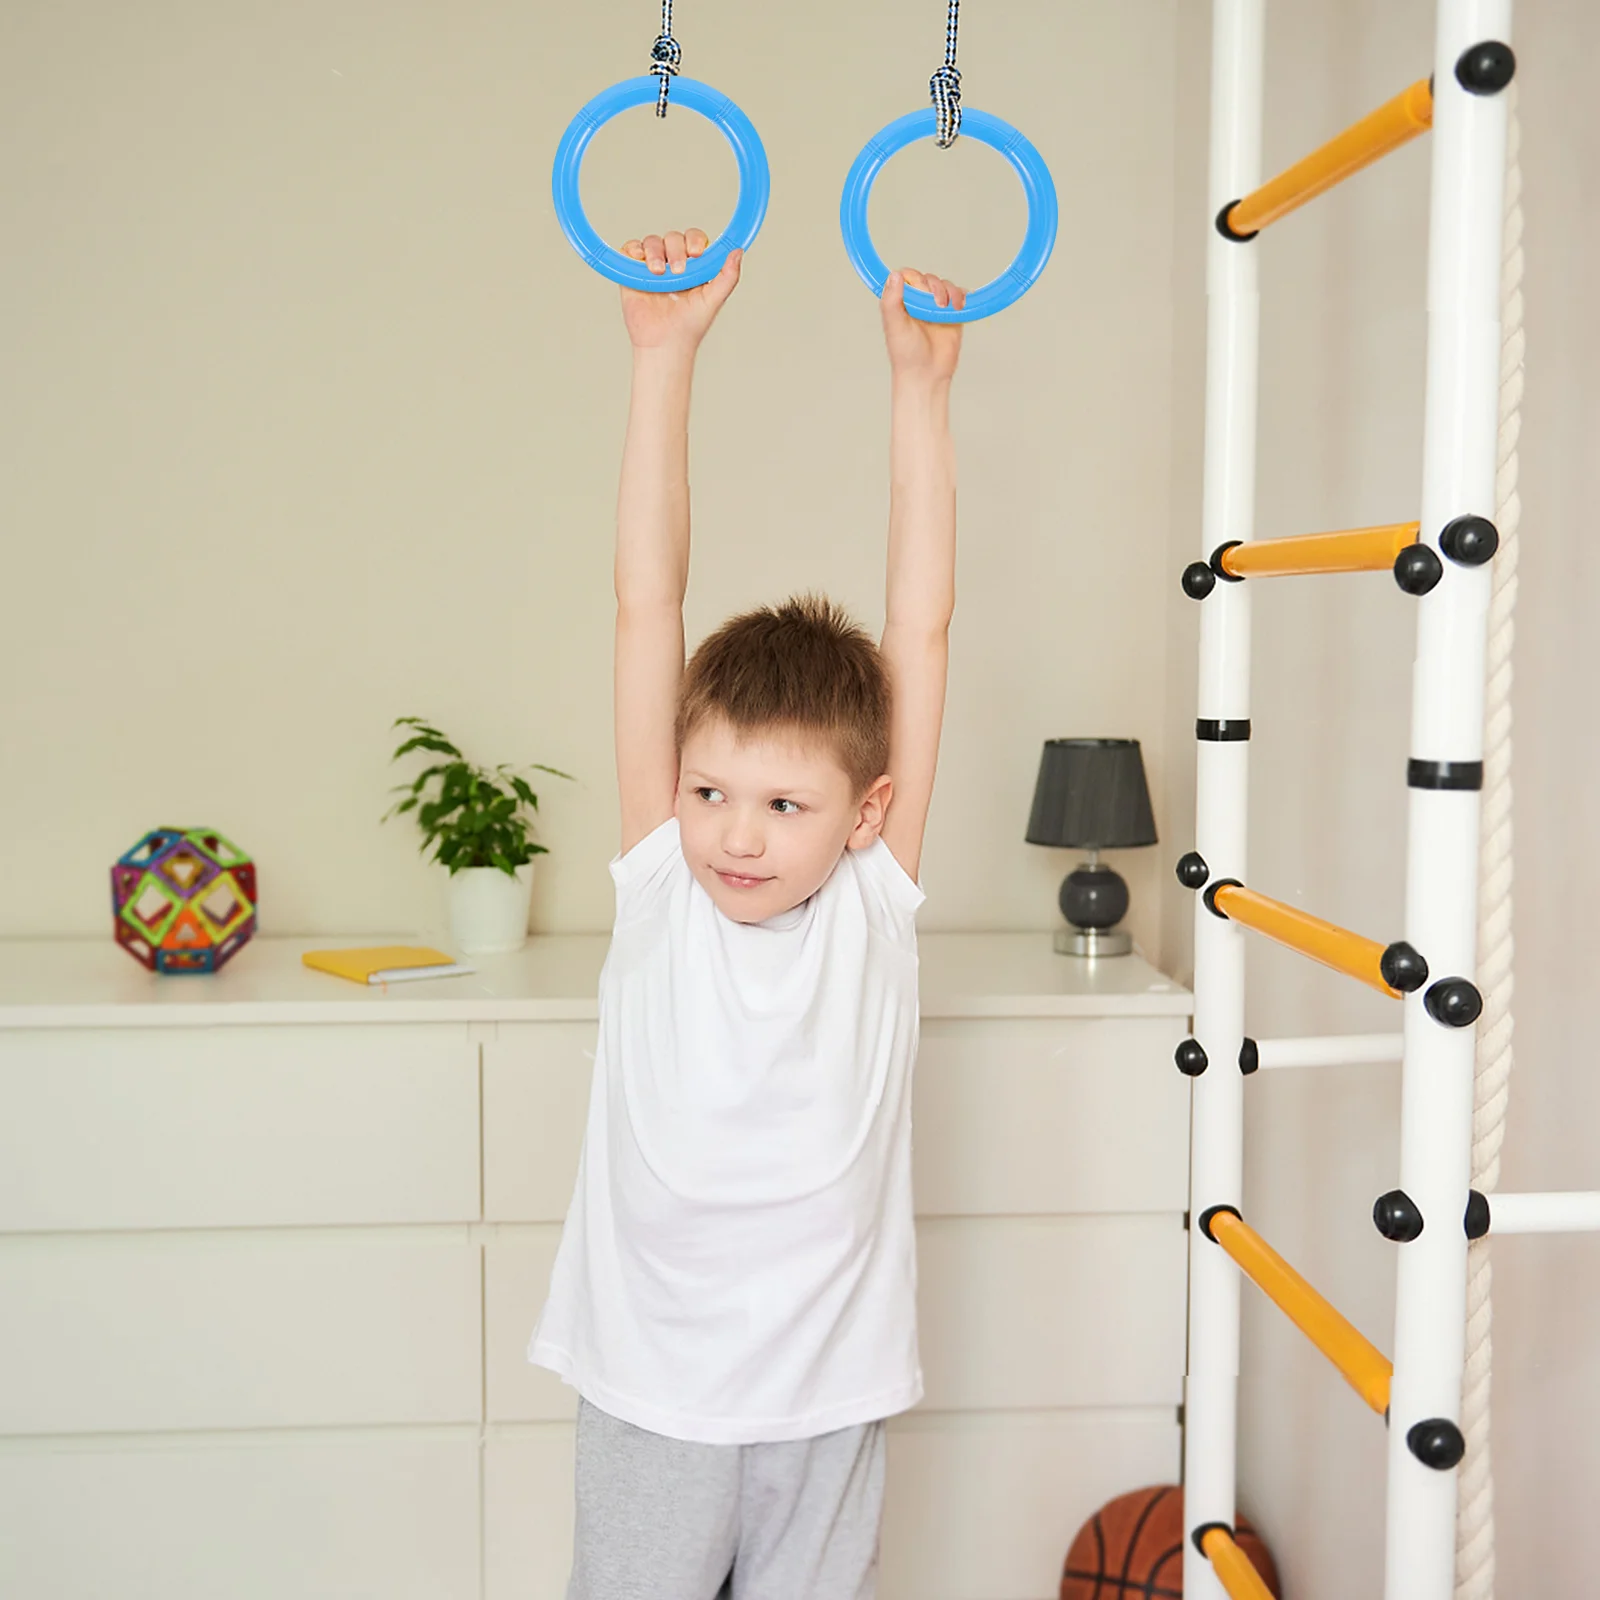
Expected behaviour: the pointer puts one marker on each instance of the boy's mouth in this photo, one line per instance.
(736, 880)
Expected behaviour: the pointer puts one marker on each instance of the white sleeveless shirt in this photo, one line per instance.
(738, 1262)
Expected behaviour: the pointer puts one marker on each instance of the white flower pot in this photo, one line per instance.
(489, 911)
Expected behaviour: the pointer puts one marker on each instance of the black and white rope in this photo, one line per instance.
(945, 85)
(666, 57)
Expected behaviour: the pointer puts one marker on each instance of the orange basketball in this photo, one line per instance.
(1132, 1549)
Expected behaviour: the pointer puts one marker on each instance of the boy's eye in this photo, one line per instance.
(710, 796)
(792, 807)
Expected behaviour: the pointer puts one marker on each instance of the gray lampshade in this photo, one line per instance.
(1091, 795)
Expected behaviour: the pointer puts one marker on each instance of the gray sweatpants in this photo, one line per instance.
(663, 1519)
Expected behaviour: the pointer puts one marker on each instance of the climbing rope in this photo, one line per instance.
(945, 85)
(1491, 1080)
(666, 57)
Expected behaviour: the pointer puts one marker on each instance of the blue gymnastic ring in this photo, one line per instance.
(755, 182)
(1037, 184)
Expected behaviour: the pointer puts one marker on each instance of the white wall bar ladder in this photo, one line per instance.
(1443, 561)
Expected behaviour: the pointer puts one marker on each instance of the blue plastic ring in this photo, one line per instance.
(755, 183)
(1037, 184)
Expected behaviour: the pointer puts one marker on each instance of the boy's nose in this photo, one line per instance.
(742, 838)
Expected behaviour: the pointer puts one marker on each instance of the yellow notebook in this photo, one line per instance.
(391, 963)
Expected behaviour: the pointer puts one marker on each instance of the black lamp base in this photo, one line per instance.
(1094, 899)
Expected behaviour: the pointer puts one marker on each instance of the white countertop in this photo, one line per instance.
(92, 983)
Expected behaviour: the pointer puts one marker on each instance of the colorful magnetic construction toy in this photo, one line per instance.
(184, 900)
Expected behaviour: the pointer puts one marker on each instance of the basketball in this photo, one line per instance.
(1132, 1549)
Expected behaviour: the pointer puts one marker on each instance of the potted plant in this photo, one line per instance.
(479, 822)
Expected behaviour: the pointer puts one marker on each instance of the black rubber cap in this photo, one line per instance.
(1199, 1537)
(1469, 541)
(1476, 1221)
(1198, 580)
(1486, 68)
(1192, 870)
(1436, 1443)
(1216, 561)
(1249, 1057)
(1455, 1002)
(1191, 1058)
(1403, 968)
(1226, 228)
(1210, 896)
(1417, 569)
(1212, 1211)
(1396, 1216)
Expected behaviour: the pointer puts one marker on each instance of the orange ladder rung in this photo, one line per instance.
(1234, 1569)
(1393, 124)
(1373, 549)
(1363, 959)
(1364, 1367)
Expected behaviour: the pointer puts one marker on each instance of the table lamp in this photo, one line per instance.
(1091, 795)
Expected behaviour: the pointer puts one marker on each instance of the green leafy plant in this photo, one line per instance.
(473, 816)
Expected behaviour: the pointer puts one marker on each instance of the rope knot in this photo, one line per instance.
(945, 86)
(666, 61)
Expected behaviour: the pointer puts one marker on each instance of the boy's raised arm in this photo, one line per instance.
(652, 572)
(920, 597)
(652, 555)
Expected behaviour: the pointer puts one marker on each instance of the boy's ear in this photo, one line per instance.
(874, 806)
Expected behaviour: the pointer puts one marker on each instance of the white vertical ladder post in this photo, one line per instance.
(1222, 784)
(1459, 457)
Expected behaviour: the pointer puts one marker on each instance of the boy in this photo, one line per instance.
(734, 1296)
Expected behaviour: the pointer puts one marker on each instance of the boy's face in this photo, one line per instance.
(765, 817)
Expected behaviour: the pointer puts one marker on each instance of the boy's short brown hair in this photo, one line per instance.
(802, 665)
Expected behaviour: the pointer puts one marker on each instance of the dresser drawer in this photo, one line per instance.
(1032, 1313)
(984, 1507)
(1013, 1312)
(111, 1334)
(977, 1507)
(1020, 1116)
(535, 1101)
(1011, 1117)
(516, 1278)
(263, 1519)
(237, 1127)
(528, 1506)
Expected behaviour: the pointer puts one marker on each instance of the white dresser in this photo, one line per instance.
(271, 1246)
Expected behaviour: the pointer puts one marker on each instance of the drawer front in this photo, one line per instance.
(325, 1519)
(1012, 1118)
(1039, 1117)
(191, 1331)
(978, 1507)
(535, 1101)
(237, 1127)
(527, 1513)
(1013, 1312)
(516, 1277)
(984, 1507)
(1036, 1312)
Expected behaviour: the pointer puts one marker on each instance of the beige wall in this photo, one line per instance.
(315, 418)
(314, 421)
(1343, 331)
